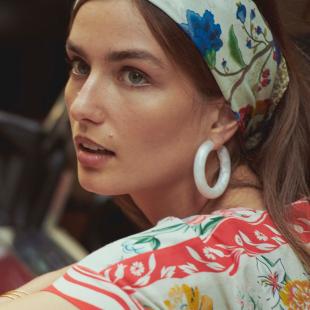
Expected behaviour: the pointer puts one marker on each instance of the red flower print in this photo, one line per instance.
(265, 82)
(266, 73)
(245, 115)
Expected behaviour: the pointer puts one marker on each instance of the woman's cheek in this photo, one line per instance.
(69, 97)
(69, 92)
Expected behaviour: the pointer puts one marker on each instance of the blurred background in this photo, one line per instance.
(46, 219)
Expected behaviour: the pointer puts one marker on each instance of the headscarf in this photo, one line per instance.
(241, 52)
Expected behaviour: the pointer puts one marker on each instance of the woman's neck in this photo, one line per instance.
(183, 199)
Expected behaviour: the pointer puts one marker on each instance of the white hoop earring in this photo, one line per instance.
(199, 170)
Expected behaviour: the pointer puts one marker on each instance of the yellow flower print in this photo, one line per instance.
(175, 295)
(192, 296)
(187, 298)
(206, 303)
(296, 294)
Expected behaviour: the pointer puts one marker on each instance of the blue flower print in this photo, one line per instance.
(132, 246)
(205, 34)
(252, 15)
(249, 43)
(142, 244)
(241, 12)
(258, 30)
(236, 116)
(277, 56)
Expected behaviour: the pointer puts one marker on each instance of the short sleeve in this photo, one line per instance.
(112, 277)
(88, 290)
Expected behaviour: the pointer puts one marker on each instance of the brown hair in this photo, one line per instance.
(282, 161)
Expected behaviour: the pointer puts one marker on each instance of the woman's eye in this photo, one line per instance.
(134, 77)
(79, 67)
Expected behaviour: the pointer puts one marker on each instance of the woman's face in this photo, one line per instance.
(124, 95)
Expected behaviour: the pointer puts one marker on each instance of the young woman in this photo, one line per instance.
(155, 87)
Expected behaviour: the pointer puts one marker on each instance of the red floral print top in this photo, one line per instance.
(230, 259)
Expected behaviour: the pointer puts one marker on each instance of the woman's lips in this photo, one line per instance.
(88, 143)
(91, 154)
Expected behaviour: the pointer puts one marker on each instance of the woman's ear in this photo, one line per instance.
(225, 126)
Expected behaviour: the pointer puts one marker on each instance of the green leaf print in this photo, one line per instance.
(265, 32)
(201, 229)
(210, 57)
(154, 242)
(172, 228)
(234, 48)
(252, 27)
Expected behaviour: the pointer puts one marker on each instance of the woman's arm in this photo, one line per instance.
(39, 301)
(36, 285)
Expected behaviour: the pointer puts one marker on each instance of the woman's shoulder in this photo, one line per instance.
(238, 248)
(253, 231)
(177, 234)
(247, 220)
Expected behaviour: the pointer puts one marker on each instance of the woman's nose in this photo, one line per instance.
(87, 106)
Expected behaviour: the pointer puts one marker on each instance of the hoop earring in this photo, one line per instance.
(199, 170)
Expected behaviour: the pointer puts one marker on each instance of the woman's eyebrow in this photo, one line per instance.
(74, 48)
(115, 56)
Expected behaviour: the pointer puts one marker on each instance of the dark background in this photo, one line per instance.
(33, 74)
(32, 37)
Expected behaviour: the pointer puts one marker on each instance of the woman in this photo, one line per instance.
(155, 87)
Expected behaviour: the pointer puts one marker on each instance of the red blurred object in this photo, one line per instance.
(13, 272)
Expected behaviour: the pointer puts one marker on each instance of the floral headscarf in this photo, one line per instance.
(239, 48)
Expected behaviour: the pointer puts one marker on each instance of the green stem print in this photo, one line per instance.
(227, 73)
(251, 36)
(247, 68)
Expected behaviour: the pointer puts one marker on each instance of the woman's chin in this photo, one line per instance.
(99, 186)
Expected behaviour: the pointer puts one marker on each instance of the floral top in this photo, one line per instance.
(230, 259)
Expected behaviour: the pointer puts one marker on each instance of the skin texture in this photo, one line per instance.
(36, 299)
(154, 124)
